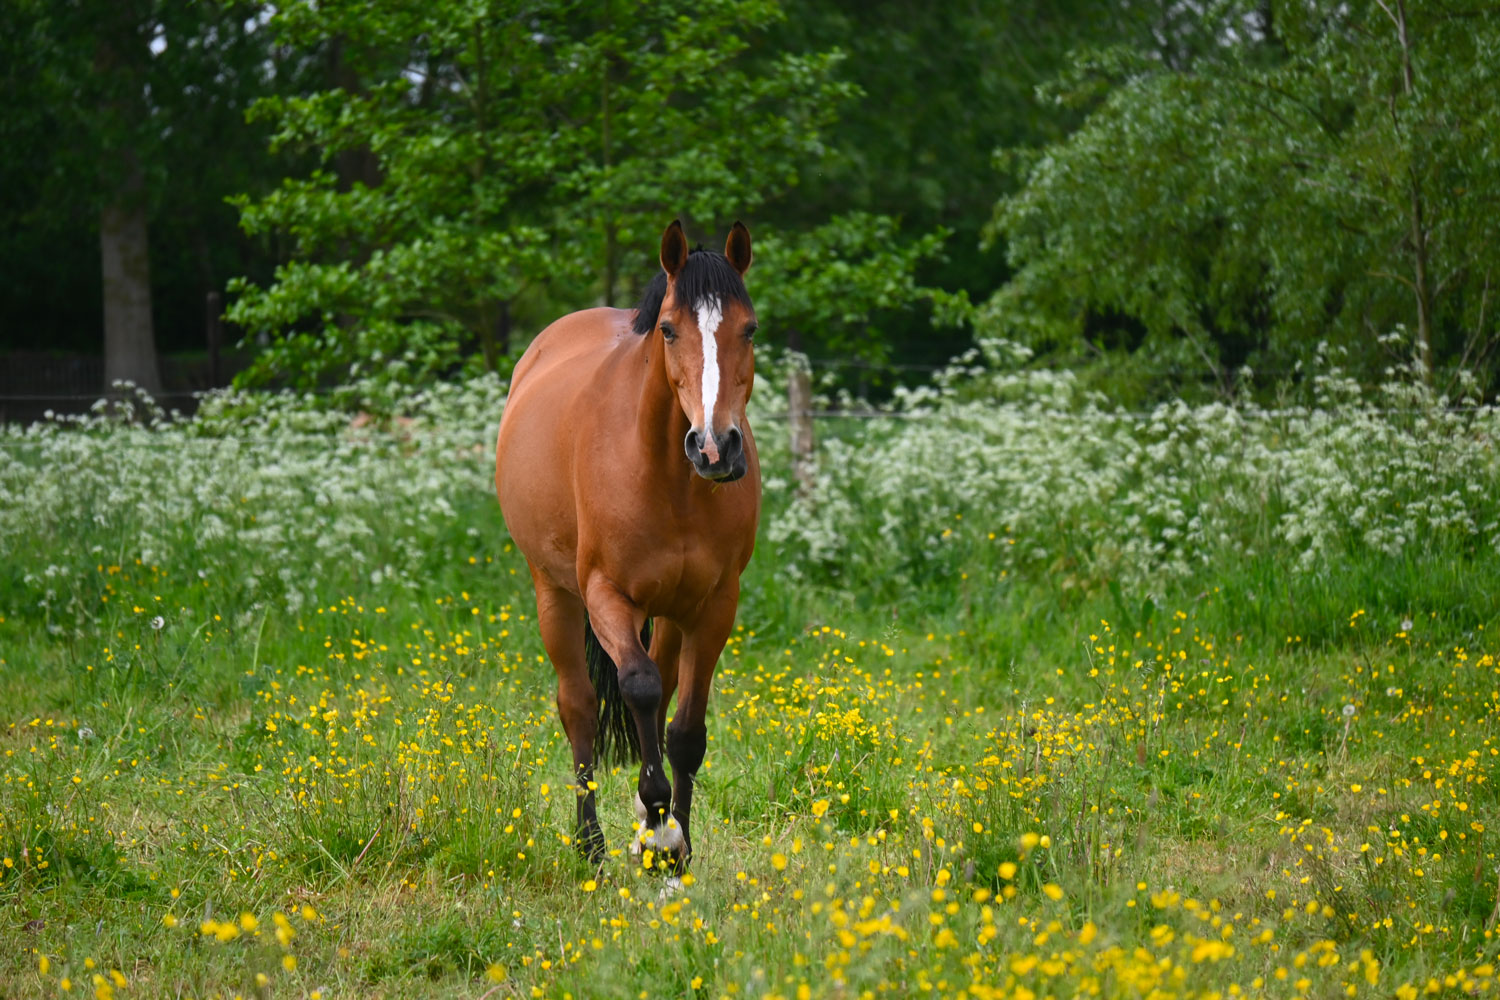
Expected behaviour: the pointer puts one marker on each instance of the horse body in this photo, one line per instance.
(628, 477)
(577, 469)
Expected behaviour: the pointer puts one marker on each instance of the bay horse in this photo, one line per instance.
(628, 478)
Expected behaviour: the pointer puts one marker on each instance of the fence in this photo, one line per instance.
(33, 382)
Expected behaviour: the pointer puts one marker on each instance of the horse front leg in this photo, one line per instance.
(617, 624)
(561, 618)
(687, 733)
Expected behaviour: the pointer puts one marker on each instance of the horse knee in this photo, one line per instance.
(640, 686)
(686, 748)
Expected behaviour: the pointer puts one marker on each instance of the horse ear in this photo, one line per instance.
(737, 248)
(674, 249)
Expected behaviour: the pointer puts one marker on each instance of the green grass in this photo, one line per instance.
(865, 786)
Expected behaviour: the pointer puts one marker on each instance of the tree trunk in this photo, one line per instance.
(1421, 284)
(124, 249)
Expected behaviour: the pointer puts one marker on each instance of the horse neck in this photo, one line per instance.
(661, 424)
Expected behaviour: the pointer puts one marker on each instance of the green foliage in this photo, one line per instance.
(479, 159)
(1323, 173)
(96, 90)
(821, 288)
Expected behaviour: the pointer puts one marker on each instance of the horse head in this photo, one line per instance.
(707, 325)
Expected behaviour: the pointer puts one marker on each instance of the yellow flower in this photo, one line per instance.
(778, 861)
(1007, 870)
(43, 964)
(820, 807)
(289, 963)
(1053, 890)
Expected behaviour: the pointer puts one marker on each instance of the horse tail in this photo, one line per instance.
(617, 741)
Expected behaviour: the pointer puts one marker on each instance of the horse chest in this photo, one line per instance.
(672, 567)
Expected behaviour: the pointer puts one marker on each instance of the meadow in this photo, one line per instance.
(1032, 696)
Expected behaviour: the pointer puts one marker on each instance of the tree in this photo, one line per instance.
(128, 113)
(1322, 172)
(826, 286)
(522, 155)
(943, 85)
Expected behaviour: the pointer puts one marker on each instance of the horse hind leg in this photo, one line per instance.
(563, 621)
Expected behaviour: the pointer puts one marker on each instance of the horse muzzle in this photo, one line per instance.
(719, 457)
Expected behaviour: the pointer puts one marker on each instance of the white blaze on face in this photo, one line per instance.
(709, 318)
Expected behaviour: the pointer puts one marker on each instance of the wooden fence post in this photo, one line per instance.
(800, 421)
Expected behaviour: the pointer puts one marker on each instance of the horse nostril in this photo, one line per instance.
(691, 445)
(732, 444)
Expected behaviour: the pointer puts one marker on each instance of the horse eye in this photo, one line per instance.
(750, 331)
(668, 332)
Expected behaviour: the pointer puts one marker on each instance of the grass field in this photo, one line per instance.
(277, 723)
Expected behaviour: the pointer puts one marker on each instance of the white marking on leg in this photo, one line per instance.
(663, 840)
(668, 838)
(709, 318)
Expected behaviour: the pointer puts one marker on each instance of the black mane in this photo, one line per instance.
(706, 275)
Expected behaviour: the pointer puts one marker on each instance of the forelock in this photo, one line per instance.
(706, 278)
